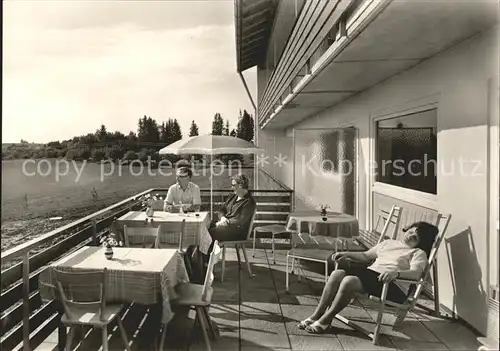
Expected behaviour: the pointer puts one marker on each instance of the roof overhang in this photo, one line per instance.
(253, 21)
(402, 35)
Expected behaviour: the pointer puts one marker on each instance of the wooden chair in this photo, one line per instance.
(71, 288)
(238, 244)
(145, 232)
(402, 309)
(386, 218)
(198, 297)
(274, 229)
(174, 228)
(320, 249)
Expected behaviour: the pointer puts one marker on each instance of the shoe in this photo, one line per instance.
(305, 323)
(317, 328)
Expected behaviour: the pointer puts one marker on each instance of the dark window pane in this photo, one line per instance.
(406, 148)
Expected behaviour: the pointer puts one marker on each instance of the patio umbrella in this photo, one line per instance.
(210, 145)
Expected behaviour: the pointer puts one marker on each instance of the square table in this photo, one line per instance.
(144, 276)
(195, 230)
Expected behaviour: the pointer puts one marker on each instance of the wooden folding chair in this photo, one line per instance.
(403, 309)
(319, 250)
(79, 310)
(387, 219)
(145, 232)
(238, 244)
(198, 297)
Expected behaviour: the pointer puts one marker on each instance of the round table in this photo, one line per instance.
(337, 225)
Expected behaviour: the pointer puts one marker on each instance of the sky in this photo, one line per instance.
(70, 66)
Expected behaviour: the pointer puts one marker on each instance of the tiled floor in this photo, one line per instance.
(257, 314)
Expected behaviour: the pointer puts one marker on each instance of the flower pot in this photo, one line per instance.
(323, 214)
(108, 252)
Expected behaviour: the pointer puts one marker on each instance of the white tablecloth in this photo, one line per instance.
(136, 275)
(195, 231)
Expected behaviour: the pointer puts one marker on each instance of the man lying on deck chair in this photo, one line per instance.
(405, 258)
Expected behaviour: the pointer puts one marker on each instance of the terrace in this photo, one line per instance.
(249, 313)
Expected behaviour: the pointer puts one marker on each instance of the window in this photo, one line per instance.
(337, 151)
(329, 151)
(406, 151)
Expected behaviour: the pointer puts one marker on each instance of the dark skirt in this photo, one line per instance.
(372, 286)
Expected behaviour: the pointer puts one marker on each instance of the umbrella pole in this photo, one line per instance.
(211, 191)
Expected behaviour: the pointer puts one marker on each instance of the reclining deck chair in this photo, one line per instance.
(402, 309)
(320, 250)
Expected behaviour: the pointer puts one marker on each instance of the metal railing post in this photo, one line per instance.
(94, 231)
(26, 301)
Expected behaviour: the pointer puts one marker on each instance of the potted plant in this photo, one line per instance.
(323, 212)
(108, 242)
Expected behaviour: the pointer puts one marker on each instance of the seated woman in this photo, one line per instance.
(236, 213)
(392, 259)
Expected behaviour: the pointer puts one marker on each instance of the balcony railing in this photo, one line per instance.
(26, 319)
(314, 24)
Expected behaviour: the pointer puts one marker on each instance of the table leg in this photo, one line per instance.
(155, 312)
(273, 249)
(254, 233)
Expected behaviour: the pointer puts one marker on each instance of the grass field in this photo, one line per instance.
(28, 199)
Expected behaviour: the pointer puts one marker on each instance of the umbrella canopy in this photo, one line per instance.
(210, 145)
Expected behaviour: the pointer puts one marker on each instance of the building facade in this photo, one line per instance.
(362, 104)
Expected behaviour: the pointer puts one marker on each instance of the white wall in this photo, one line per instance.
(457, 81)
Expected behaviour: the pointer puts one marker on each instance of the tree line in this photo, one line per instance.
(150, 137)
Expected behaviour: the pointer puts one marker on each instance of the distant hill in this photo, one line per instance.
(5, 146)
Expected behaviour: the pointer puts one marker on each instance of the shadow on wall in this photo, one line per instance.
(469, 296)
(302, 204)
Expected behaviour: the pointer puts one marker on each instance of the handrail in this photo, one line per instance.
(229, 190)
(353, 26)
(23, 251)
(27, 246)
(324, 21)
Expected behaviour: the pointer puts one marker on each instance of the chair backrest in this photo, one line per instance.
(386, 218)
(181, 235)
(142, 231)
(442, 222)
(71, 286)
(390, 218)
(250, 225)
(209, 277)
(175, 230)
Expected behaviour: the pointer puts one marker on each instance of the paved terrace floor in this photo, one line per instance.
(257, 314)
